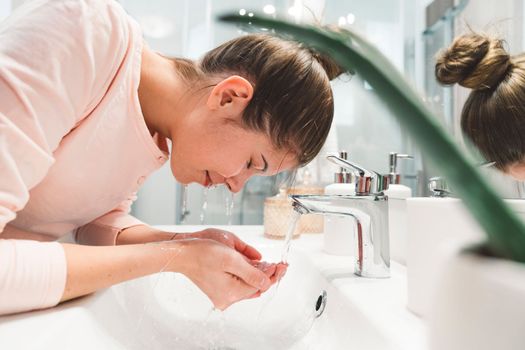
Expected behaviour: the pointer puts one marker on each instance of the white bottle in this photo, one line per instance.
(339, 231)
(397, 211)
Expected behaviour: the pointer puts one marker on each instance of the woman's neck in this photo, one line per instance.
(160, 91)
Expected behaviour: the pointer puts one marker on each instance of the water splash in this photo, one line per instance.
(149, 300)
(288, 238)
(264, 306)
(216, 321)
(204, 204)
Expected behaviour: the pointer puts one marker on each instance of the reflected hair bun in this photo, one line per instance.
(474, 61)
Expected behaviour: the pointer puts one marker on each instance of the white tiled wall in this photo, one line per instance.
(5, 8)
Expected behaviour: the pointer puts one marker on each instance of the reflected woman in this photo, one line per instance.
(493, 116)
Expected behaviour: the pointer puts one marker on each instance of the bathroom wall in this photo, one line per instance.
(5, 8)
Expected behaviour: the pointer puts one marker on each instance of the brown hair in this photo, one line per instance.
(493, 116)
(292, 100)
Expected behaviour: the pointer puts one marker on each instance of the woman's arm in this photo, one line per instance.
(90, 268)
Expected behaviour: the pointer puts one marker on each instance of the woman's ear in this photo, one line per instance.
(231, 95)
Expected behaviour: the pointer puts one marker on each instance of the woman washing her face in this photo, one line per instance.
(493, 116)
(86, 113)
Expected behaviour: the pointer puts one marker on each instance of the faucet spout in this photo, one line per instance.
(371, 214)
(299, 207)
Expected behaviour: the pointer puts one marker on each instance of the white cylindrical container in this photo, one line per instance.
(479, 304)
(397, 220)
(432, 223)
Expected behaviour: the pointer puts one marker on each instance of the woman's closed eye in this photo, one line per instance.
(250, 165)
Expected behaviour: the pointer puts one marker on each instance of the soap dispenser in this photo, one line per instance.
(397, 209)
(339, 231)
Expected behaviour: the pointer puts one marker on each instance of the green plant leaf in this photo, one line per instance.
(505, 232)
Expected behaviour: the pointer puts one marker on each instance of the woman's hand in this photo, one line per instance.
(241, 258)
(221, 272)
(226, 238)
(274, 271)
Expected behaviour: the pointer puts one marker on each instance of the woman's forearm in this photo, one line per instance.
(91, 268)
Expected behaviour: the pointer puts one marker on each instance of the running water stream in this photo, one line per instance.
(294, 218)
(229, 204)
(204, 204)
(184, 209)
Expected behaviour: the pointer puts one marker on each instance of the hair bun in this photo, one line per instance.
(332, 69)
(474, 61)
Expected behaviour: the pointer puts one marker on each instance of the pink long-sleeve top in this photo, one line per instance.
(74, 146)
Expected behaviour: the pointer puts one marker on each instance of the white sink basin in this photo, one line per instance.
(166, 311)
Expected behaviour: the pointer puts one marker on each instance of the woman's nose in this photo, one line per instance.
(236, 183)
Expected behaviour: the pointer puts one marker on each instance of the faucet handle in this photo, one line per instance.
(367, 182)
(348, 165)
(438, 187)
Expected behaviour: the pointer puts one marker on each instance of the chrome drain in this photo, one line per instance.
(320, 303)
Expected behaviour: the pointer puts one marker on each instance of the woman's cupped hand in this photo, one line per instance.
(224, 267)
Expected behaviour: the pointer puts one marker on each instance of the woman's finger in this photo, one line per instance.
(267, 268)
(246, 249)
(280, 271)
(251, 275)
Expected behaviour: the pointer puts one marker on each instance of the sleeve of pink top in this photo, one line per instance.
(30, 283)
(105, 229)
(57, 59)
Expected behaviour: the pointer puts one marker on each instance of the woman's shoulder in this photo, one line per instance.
(67, 53)
(71, 17)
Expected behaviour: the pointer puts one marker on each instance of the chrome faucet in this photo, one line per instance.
(369, 206)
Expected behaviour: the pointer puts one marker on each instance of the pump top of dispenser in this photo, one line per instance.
(394, 176)
(343, 176)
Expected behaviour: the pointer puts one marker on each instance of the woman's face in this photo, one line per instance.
(211, 147)
(225, 154)
(517, 171)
